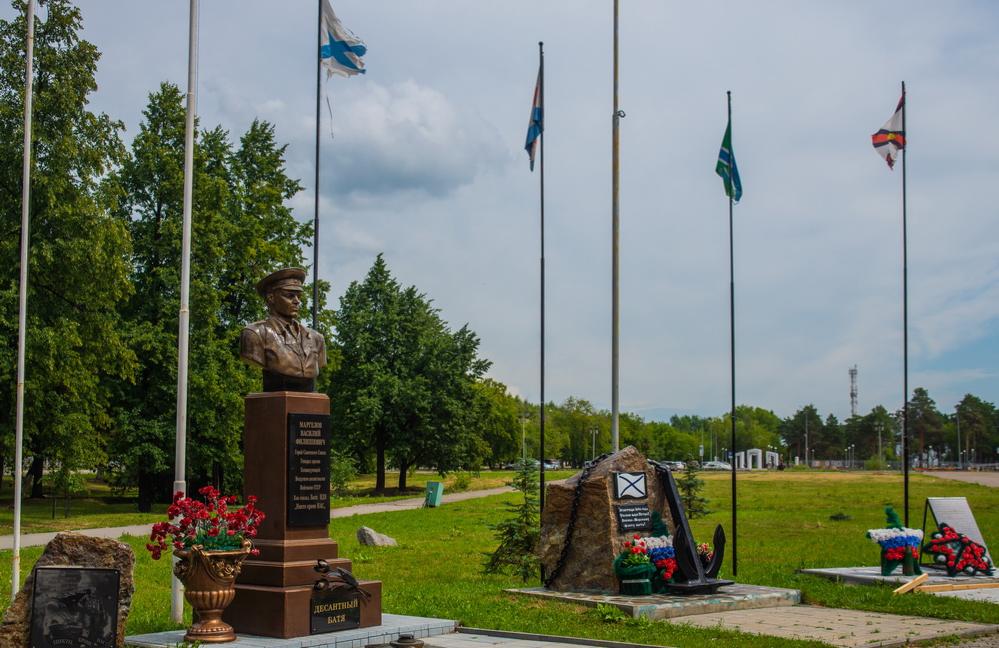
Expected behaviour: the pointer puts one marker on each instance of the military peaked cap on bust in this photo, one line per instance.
(286, 279)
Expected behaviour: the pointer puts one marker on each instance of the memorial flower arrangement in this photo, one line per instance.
(958, 552)
(899, 545)
(663, 557)
(633, 567)
(209, 525)
(705, 553)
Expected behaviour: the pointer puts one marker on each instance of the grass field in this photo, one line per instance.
(100, 507)
(783, 525)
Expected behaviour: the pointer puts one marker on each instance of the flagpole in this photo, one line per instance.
(731, 311)
(905, 324)
(315, 216)
(183, 332)
(541, 153)
(22, 294)
(615, 237)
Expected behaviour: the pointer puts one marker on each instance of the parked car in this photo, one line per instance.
(716, 465)
(674, 465)
(551, 464)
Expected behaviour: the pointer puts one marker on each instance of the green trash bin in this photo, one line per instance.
(435, 492)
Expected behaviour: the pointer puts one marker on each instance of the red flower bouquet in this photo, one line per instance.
(209, 524)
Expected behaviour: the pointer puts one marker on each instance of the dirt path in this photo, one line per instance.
(983, 478)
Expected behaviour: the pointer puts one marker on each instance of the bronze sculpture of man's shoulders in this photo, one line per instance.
(290, 353)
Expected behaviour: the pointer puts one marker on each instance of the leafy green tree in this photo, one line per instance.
(671, 444)
(636, 432)
(926, 424)
(755, 427)
(404, 391)
(78, 272)
(574, 418)
(978, 420)
(241, 229)
(793, 431)
(498, 417)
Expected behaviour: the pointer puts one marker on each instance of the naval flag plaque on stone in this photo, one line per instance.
(630, 485)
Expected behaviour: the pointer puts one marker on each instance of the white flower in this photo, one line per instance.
(883, 535)
(653, 542)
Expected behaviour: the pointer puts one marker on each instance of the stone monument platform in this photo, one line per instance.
(667, 606)
(391, 627)
(872, 576)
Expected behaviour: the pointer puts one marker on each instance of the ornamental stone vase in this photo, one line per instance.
(209, 586)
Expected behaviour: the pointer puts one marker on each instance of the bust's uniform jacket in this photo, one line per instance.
(283, 347)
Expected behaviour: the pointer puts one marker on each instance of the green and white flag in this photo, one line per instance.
(727, 168)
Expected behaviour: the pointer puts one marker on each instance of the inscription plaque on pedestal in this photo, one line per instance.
(335, 610)
(308, 470)
(634, 517)
(74, 606)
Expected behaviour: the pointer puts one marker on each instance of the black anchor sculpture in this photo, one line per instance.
(694, 577)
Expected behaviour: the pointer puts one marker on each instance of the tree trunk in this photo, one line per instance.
(147, 492)
(403, 470)
(35, 472)
(380, 466)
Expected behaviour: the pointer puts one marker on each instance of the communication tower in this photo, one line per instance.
(853, 390)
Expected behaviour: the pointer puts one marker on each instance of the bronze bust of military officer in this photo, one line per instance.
(290, 353)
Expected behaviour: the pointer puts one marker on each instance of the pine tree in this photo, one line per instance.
(691, 488)
(519, 534)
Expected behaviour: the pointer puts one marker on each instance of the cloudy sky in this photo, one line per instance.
(427, 166)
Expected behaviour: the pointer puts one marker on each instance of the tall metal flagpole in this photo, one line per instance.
(315, 217)
(905, 324)
(731, 307)
(183, 331)
(541, 146)
(22, 294)
(615, 236)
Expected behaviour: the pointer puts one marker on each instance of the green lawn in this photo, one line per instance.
(362, 489)
(99, 507)
(784, 524)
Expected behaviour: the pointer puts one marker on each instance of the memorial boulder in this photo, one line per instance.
(588, 518)
(616, 500)
(75, 594)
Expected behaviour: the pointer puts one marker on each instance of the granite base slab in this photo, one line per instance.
(666, 606)
(872, 575)
(392, 626)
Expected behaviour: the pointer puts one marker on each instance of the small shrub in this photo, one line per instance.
(343, 470)
(462, 481)
(609, 613)
(875, 463)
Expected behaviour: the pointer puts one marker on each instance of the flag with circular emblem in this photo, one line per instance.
(890, 139)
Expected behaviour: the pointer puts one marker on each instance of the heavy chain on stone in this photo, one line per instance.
(567, 544)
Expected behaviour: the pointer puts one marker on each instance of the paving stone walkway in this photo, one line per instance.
(471, 640)
(846, 628)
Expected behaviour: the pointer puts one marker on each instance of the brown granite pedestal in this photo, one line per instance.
(275, 589)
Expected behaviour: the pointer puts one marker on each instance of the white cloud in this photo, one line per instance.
(406, 138)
